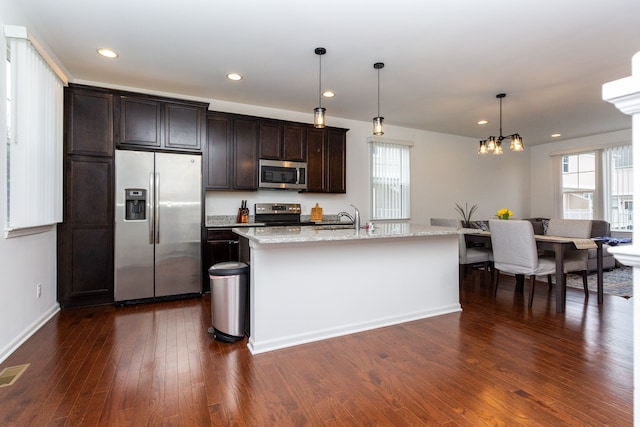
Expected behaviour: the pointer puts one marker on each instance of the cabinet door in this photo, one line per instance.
(89, 122)
(337, 158)
(245, 137)
(140, 122)
(270, 140)
(294, 143)
(85, 238)
(218, 166)
(220, 246)
(184, 126)
(316, 161)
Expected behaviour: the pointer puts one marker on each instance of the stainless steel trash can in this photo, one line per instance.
(228, 300)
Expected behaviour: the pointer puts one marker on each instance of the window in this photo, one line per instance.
(34, 140)
(598, 184)
(617, 164)
(390, 182)
(578, 185)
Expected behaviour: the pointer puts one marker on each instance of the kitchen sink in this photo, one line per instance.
(333, 227)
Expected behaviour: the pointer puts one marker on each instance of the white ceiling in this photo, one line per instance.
(444, 60)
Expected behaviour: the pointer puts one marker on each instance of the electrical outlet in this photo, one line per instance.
(38, 290)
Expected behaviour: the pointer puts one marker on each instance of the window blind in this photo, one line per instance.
(390, 180)
(34, 155)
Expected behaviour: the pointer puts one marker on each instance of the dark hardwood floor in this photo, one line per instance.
(496, 363)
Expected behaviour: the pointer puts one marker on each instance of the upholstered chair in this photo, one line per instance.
(515, 251)
(575, 260)
(466, 256)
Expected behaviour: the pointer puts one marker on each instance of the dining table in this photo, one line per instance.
(558, 245)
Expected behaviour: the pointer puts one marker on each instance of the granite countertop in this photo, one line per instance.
(297, 234)
(229, 221)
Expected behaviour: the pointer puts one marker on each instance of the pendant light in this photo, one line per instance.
(377, 121)
(318, 112)
(493, 144)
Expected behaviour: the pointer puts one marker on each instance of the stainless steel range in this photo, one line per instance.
(273, 214)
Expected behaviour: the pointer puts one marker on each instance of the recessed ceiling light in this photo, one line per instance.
(483, 122)
(556, 135)
(328, 94)
(107, 53)
(234, 76)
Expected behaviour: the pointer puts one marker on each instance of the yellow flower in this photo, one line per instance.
(504, 213)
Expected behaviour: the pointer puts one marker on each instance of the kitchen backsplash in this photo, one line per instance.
(220, 203)
(230, 220)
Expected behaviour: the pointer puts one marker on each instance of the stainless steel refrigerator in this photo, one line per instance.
(158, 220)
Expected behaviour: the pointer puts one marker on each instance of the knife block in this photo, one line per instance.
(243, 216)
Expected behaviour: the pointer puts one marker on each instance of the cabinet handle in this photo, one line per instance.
(151, 208)
(157, 208)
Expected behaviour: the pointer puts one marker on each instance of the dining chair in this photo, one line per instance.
(515, 251)
(467, 256)
(575, 260)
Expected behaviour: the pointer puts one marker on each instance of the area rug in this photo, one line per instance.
(618, 281)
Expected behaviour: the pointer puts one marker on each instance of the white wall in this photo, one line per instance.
(541, 194)
(24, 261)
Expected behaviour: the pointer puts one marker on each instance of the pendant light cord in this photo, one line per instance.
(501, 117)
(378, 92)
(320, 83)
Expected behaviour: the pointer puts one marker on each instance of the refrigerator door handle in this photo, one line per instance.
(156, 200)
(151, 208)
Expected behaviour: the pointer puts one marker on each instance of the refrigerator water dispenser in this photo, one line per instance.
(135, 204)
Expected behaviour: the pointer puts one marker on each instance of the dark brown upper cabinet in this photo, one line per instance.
(270, 139)
(184, 126)
(218, 158)
(294, 143)
(316, 161)
(326, 160)
(282, 141)
(337, 156)
(159, 123)
(89, 122)
(245, 139)
(231, 155)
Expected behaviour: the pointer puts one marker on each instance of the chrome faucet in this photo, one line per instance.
(355, 219)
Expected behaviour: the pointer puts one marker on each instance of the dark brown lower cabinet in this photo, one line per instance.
(85, 237)
(219, 245)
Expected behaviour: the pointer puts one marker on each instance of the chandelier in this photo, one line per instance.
(493, 144)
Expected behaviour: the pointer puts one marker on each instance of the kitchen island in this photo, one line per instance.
(312, 283)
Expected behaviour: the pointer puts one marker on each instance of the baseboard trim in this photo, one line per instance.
(28, 332)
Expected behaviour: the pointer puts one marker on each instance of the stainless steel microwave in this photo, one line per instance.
(282, 174)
